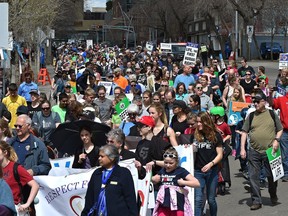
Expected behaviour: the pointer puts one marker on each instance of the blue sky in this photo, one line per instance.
(95, 3)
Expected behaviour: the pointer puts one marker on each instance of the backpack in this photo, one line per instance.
(251, 116)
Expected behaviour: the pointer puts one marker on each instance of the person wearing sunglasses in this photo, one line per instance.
(174, 178)
(208, 142)
(133, 86)
(45, 122)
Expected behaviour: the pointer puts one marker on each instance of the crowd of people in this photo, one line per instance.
(181, 100)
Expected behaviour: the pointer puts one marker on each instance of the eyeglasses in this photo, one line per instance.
(133, 85)
(169, 155)
(164, 85)
(110, 141)
(247, 74)
(199, 88)
(18, 126)
(45, 108)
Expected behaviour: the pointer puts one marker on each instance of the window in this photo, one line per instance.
(196, 27)
(204, 25)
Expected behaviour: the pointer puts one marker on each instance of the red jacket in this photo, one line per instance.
(282, 104)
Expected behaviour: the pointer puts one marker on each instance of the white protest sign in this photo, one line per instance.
(190, 55)
(149, 47)
(89, 43)
(283, 60)
(107, 85)
(186, 160)
(166, 47)
(275, 161)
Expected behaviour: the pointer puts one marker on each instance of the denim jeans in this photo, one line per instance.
(255, 161)
(284, 151)
(209, 181)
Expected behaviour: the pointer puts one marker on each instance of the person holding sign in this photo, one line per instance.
(111, 189)
(264, 132)
(173, 179)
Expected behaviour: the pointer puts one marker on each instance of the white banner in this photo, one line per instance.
(63, 191)
(186, 158)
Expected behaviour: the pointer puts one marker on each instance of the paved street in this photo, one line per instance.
(238, 201)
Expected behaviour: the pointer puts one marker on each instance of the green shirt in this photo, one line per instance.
(60, 111)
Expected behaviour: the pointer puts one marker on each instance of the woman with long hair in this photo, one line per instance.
(195, 104)
(209, 153)
(162, 128)
(8, 157)
(86, 156)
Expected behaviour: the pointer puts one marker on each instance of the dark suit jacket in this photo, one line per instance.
(120, 193)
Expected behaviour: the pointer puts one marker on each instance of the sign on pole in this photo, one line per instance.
(283, 60)
(190, 54)
(121, 108)
(250, 30)
(4, 36)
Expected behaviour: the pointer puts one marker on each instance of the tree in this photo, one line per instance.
(249, 11)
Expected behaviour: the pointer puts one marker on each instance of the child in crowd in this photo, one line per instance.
(173, 180)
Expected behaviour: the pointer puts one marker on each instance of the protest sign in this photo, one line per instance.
(121, 108)
(65, 162)
(275, 161)
(149, 47)
(234, 112)
(190, 54)
(283, 60)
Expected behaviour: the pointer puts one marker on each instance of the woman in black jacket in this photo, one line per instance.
(111, 189)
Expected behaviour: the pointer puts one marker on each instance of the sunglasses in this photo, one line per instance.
(199, 88)
(132, 114)
(164, 85)
(248, 74)
(18, 126)
(133, 85)
(45, 108)
(169, 155)
(109, 141)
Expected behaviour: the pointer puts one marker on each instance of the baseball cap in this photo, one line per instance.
(146, 120)
(22, 110)
(179, 103)
(259, 96)
(34, 91)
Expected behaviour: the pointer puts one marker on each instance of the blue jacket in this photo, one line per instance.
(120, 193)
(37, 159)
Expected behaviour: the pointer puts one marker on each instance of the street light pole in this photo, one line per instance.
(236, 33)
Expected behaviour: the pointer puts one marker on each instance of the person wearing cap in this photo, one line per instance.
(26, 87)
(34, 106)
(12, 102)
(67, 88)
(119, 79)
(179, 119)
(264, 131)
(22, 110)
(149, 151)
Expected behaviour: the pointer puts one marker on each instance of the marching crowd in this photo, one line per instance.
(169, 102)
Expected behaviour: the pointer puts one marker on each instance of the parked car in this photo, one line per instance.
(265, 50)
